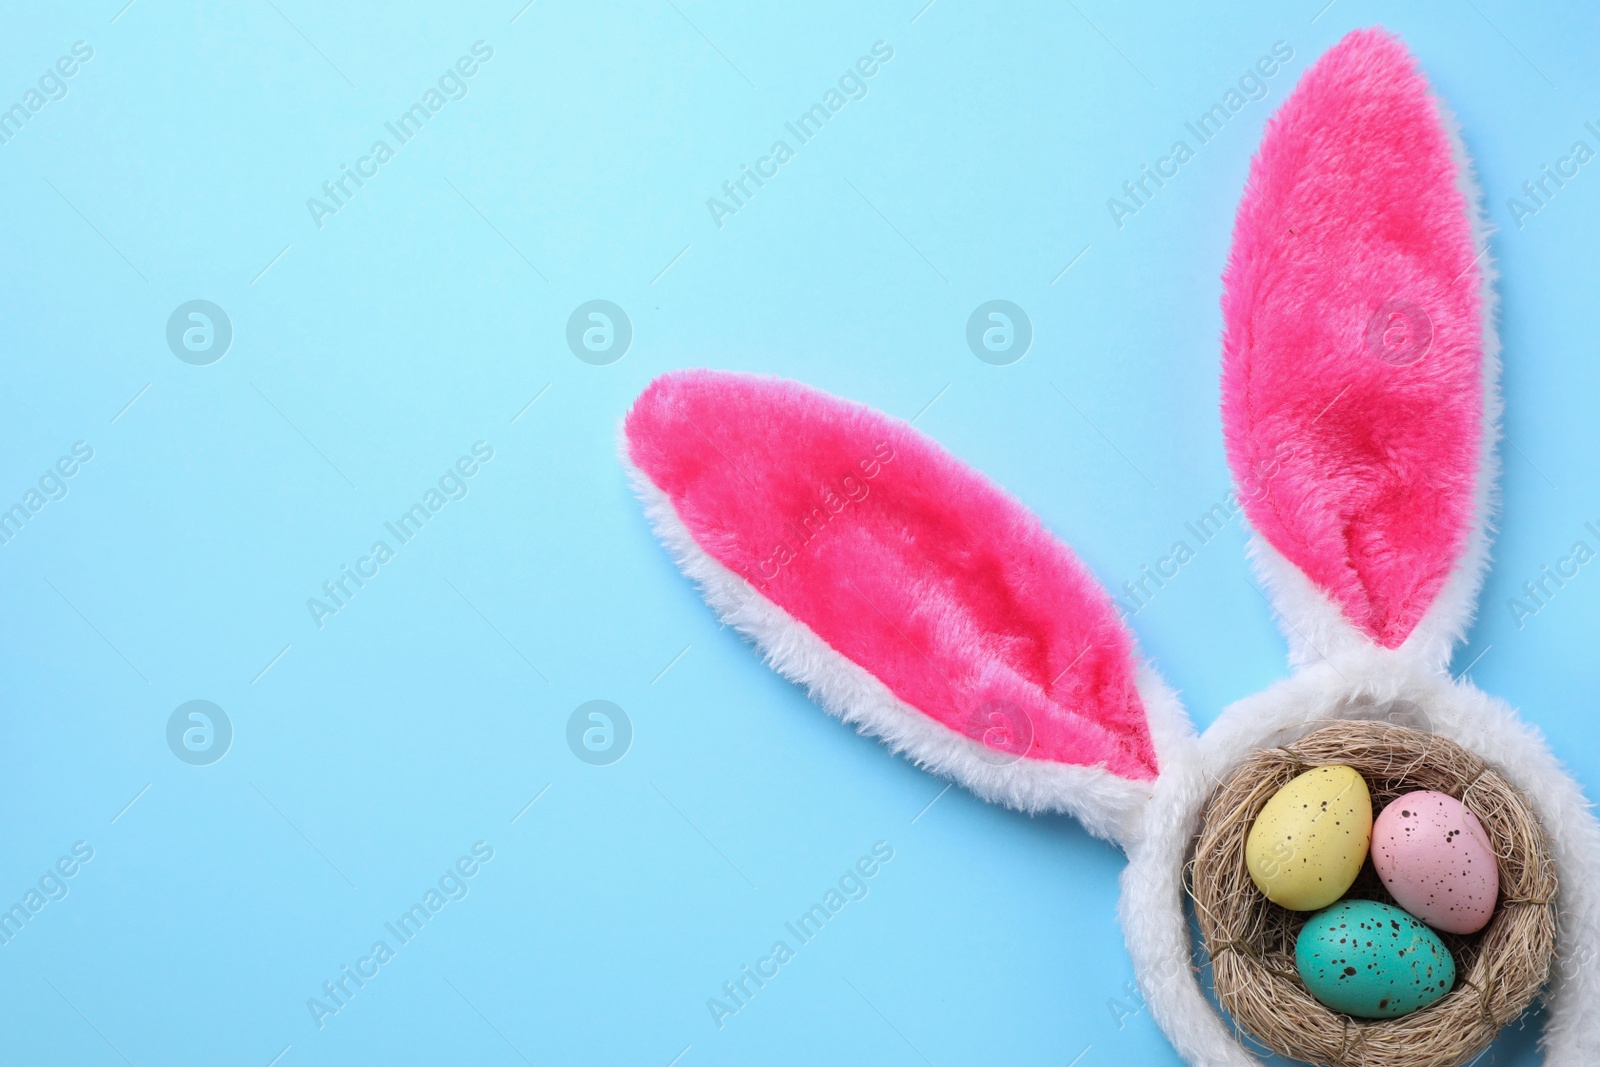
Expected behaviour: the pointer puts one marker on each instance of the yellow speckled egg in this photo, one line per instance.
(1310, 840)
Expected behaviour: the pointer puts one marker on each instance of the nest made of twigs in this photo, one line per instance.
(1251, 940)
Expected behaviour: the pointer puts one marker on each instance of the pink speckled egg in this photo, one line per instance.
(1434, 858)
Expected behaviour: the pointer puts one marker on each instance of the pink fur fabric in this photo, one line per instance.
(902, 560)
(1353, 348)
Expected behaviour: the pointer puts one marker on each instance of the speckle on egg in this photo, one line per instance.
(1310, 839)
(1400, 967)
(1435, 859)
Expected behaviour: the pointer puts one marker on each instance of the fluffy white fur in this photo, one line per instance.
(1156, 825)
(1339, 673)
(1109, 806)
(1312, 622)
(1358, 686)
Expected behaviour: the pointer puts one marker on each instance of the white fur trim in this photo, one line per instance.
(1336, 665)
(1109, 806)
(1339, 673)
(1456, 605)
(1152, 908)
(1312, 622)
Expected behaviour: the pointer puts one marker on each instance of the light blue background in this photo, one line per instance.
(370, 353)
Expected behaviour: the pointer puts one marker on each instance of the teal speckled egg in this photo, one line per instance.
(1372, 960)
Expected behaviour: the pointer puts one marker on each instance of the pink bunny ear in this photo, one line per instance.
(910, 595)
(1354, 351)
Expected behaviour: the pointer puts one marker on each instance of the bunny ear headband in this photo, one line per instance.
(915, 599)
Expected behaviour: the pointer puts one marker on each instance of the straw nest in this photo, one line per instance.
(1250, 940)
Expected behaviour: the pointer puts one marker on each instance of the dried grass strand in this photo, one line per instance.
(1250, 940)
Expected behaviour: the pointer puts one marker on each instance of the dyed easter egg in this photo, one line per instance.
(1372, 960)
(1310, 840)
(1435, 859)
